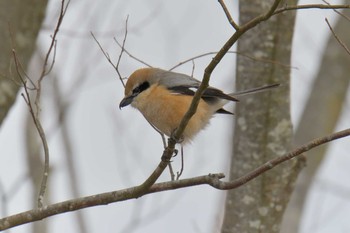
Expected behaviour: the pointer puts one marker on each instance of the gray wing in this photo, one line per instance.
(172, 79)
(186, 85)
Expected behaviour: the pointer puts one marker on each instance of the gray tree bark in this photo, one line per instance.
(23, 20)
(263, 128)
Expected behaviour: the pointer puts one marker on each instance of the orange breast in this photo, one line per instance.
(165, 111)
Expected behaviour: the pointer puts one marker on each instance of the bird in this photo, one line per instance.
(163, 97)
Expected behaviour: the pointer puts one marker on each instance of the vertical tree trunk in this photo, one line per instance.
(323, 109)
(263, 128)
(23, 19)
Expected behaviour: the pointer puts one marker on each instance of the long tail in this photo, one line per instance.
(254, 90)
(245, 92)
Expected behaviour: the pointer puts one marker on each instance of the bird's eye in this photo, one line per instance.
(140, 88)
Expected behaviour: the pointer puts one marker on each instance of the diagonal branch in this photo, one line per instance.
(337, 38)
(310, 6)
(212, 65)
(34, 105)
(149, 187)
(223, 51)
(256, 59)
(228, 15)
(36, 119)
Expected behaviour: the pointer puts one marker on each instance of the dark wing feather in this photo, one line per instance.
(213, 92)
(224, 111)
(182, 90)
(186, 85)
(209, 95)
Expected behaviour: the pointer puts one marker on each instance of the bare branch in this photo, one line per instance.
(18, 64)
(338, 12)
(63, 11)
(36, 119)
(122, 51)
(212, 65)
(147, 187)
(34, 107)
(274, 162)
(223, 51)
(37, 123)
(102, 50)
(228, 15)
(53, 59)
(179, 173)
(310, 6)
(234, 52)
(171, 170)
(337, 38)
(116, 67)
(132, 56)
(20, 70)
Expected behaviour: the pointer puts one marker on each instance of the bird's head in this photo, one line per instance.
(138, 82)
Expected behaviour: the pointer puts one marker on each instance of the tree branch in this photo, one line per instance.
(149, 187)
(213, 180)
(34, 106)
(256, 59)
(310, 6)
(212, 65)
(337, 38)
(228, 15)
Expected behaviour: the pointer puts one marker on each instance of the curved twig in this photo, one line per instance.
(149, 187)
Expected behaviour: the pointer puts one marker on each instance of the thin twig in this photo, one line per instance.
(193, 68)
(36, 119)
(116, 67)
(148, 186)
(53, 59)
(213, 180)
(40, 130)
(122, 51)
(102, 50)
(19, 70)
(34, 107)
(212, 65)
(310, 6)
(132, 56)
(274, 162)
(171, 170)
(228, 15)
(18, 64)
(178, 174)
(338, 12)
(109, 58)
(337, 38)
(63, 11)
(230, 52)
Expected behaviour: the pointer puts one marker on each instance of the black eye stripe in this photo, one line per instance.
(140, 88)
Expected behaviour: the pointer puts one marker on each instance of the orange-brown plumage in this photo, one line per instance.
(163, 97)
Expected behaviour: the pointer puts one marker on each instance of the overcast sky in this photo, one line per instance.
(108, 152)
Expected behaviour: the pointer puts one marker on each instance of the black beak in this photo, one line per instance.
(126, 101)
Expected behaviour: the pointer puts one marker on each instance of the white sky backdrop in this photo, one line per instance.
(116, 149)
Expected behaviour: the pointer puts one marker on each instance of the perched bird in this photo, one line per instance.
(163, 97)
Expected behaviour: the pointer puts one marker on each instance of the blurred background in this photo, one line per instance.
(95, 147)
